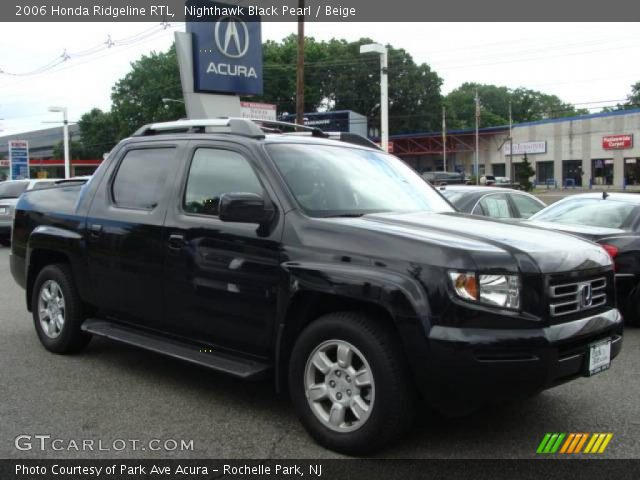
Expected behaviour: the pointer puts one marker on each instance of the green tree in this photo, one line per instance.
(137, 98)
(526, 105)
(338, 77)
(525, 172)
(633, 100)
(75, 150)
(99, 133)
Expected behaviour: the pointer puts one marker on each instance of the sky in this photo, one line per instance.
(587, 64)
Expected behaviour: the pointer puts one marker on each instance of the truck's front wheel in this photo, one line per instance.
(350, 384)
(57, 310)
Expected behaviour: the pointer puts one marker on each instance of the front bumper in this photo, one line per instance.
(471, 367)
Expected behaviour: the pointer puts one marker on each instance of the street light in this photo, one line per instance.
(384, 91)
(65, 128)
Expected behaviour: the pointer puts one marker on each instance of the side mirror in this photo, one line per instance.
(244, 208)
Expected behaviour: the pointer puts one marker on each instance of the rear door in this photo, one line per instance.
(124, 232)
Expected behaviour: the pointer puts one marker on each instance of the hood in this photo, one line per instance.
(534, 249)
(584, 231)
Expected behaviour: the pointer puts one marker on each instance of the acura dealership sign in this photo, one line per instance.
(227, 50)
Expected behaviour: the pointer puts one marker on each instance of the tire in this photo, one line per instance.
(55, 297)
(385, 407)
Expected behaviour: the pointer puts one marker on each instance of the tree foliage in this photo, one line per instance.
(526, 104)
(339, 77)
(633, 100)
(137, 98)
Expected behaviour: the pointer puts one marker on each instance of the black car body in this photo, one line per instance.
(494, 202)
(445, 178)
(612, 220)
(464, 303)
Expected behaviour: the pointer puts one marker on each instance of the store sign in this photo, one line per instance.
(617, 142)
(258, 111)
(227, 48)
(19, 159)
(526, 147)
(326, 121)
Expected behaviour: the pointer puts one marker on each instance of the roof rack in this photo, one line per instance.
(237, 126)
(253, 128)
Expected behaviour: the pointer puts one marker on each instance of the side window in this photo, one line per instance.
(526, 206)
(141, 178)
(214, 172)
(496, 206)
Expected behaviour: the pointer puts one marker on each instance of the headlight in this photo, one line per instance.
(497, 290)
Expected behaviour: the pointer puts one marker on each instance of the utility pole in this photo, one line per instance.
(444, 137)
(300, 68)
(510, 144)
(477, 100)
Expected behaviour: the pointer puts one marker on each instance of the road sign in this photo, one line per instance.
(19, 158)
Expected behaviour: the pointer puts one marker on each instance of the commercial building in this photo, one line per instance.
(597, 149)
(42, 162)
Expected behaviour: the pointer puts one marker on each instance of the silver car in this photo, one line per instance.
(9, 193)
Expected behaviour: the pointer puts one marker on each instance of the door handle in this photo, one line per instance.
(176, 241)
(95, 230)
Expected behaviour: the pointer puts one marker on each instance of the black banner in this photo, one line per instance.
(545, 469)
(321, 10)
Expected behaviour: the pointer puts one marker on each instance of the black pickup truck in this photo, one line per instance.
(328, 266)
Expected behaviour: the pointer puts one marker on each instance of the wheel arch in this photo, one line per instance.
(316, 290)
(49, 245)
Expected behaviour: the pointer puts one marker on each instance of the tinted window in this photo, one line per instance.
(12, 189)
(588, 211)
(331, 180)
(526, 206)
(214, 172)
(142, 177)
(495, 206)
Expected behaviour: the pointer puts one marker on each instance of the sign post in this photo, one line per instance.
(19, 159)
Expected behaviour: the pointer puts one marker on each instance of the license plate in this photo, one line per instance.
(599, 357)
(4, 211)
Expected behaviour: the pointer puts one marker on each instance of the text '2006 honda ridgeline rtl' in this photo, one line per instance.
(326, 265)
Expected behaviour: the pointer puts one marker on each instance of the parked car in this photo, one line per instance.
(10, 190)
(445, 178)
(505, 182)
(494, 202)
(275, 255)
(487, 180)
(612, 220)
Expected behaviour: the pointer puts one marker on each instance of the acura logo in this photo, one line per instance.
(585, 295)
(232, 37)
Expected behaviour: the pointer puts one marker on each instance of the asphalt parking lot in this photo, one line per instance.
(111, 391)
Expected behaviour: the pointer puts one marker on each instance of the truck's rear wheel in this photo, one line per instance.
(350, 383)
(57, 310)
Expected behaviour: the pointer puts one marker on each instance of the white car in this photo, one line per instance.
(10, 191)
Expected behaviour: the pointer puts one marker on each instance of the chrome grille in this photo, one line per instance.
(568, 298)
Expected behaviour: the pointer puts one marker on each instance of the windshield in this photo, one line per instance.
(332, 181)
(12, 189)
(587, 211)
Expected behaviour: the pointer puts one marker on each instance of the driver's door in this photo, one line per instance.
(220, 277)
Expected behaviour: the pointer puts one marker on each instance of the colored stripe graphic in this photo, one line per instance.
(572, 443)
(550, 443)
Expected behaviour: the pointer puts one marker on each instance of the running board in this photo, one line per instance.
(233, 365)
